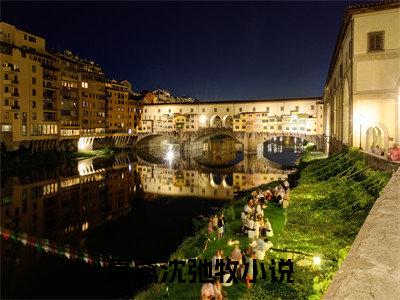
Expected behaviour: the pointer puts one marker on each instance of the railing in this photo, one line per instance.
(10, 68)
(49, 77)
(49, 107)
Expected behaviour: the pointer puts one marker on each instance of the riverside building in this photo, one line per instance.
(362, 91)
(50, 100)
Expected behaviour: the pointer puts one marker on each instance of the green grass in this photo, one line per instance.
(328, 206)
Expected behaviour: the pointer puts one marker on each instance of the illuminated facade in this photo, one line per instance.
(83, 95)
(49, 100)
(29, 88)
(119, 107)
(282, 115)
(361, 96)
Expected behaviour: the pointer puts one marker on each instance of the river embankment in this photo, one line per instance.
(330, 200)
(11, 161)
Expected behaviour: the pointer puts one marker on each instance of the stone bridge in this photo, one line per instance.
(252, 141)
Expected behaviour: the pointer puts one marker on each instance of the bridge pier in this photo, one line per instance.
(250, 144)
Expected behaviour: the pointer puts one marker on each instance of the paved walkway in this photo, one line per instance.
(372, 267)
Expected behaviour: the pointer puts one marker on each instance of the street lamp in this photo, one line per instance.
(360, 130)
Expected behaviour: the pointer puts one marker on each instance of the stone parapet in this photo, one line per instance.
(381, 162)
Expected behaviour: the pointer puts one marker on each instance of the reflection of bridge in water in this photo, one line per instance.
(188, 178)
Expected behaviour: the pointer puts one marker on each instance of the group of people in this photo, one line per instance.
(254, 223)
(393, 153)
(256, 226)
(216, 224)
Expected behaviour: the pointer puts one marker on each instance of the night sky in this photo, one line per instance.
(206, 50)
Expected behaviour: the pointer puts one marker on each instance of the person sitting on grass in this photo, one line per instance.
(214, 261)
(257, 227)
(212, 291)
(249, 275)
(236, 256)
(268, 197)
(286, 184)
(215, 223)
(248, 208)
(251, 231)
(263, 245)
(263, 231)
(210, 229)
(221, 226)
(285, 201)
(245, 219)
(268, 228)
(258, 209)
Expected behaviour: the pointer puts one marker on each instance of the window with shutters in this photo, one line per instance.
(376, 41)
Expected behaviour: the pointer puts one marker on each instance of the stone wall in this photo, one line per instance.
(376, 161)
(372, 268)
(381, 163)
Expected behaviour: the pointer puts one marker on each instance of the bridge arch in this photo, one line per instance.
(227, 182)
(215, 121)
(215, 180)
(262, 138)
(228, 121)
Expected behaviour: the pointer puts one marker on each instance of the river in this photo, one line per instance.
(62, 225)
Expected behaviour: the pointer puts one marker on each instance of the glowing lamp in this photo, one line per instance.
(316, 260)
(203, 120)
(169, 156)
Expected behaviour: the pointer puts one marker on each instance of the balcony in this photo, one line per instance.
(10, 68)
(49, 77)
(15, 81)
(49, 107)
(6, 81)
(50, 87)
(49, 118)
(15, 107)
(6, 95)
(14, 94)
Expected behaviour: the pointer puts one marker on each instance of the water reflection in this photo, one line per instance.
(284, 151)
(96, 203)
(100, 190)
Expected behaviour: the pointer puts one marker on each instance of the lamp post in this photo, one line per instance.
(360, 130)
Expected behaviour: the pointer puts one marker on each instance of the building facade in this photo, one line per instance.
(50, 100)
(304, 115)
(361, 95)
(30, 99)
(120, 108)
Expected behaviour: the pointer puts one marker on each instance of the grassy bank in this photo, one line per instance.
(328, 206)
